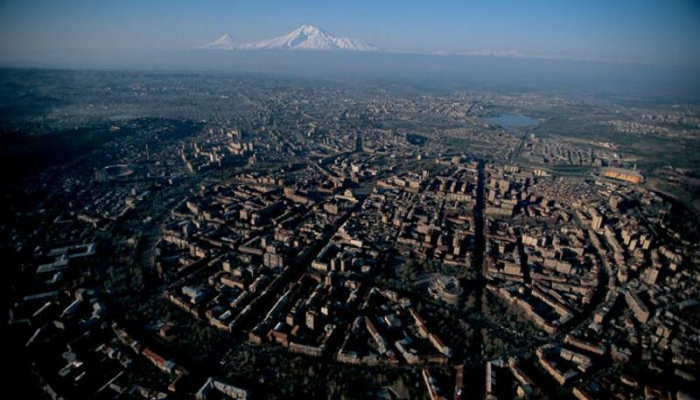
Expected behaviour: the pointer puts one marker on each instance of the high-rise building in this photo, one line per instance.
(597, 220)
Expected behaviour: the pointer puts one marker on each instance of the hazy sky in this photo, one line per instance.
(648, 31)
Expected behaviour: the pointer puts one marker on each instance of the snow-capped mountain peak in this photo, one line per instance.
(305, 37)
(225, 42)
(310, 30)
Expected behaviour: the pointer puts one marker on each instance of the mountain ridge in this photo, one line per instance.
(225, 42)
(306, 37)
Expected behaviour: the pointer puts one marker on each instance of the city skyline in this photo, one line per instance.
(388, 200)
